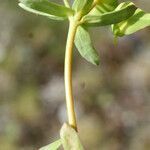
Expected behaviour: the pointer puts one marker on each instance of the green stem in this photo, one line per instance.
(68, 75)
(74, 23)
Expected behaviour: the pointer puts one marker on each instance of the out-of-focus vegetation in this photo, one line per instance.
(112, 100)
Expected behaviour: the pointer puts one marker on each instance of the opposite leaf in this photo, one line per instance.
(85, 47)
(112, 17)
(70, 138)
(138, 21)
(46, 8)
(53, 146)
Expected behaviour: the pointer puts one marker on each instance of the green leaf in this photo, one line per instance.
(85, 47)
(70, 138)
(78, 5)
(104, 6)
(46, 8)
(108, 5)
(82, 5)
(112, 3)
(138, 21)
(53, 146)
(113, 17)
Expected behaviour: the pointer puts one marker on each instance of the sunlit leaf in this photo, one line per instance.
(53, 146)
(138, 21)
(70, 138)
(78, 4)
(113, 17)
(46, 8)
(104, 6)
(85, 47)
(82, 5)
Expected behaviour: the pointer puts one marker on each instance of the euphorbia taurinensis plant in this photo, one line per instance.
(124, 19)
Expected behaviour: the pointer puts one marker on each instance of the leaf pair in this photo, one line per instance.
(69, 140)
(124, 18)
(82, 40)
(138, 21)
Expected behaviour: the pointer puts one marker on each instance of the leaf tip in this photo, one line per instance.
(95, 61)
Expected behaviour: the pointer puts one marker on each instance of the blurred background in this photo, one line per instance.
(112, 100)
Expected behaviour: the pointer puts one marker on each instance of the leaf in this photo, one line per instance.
(53, 146)
(78, 5)
(70, 138)
(104, 6)
(113, 17)
(112, 3)
(138, 21)
(85, 47)
(108, 5)
(82, 5)
(46, 8)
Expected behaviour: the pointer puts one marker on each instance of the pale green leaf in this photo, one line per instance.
(138, 21)
(79, 4)
(85, 47)
(53, 146)
(104, 6)
(82, 5)
(70, 138)
(46, 8)
(113, 17)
